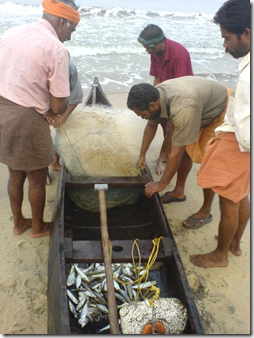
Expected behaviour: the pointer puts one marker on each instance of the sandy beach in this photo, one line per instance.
(222, 294)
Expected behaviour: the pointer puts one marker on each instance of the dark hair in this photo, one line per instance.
(70, 3)
(234, 16)
(141, 95)
(151, 31)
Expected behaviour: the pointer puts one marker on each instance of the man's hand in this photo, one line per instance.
(160, 166)
(152, 187)
(50, 117)
(60, 120)
(141, 162)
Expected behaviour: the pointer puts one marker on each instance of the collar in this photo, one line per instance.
(244, 62)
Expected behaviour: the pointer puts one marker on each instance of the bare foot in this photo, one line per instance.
(209, 260)
(234, 248)
(23, 225)
(160, 168)
(45, 231)
(56, 167)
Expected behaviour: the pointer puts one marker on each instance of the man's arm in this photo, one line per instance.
(172, 166)
(148, 136)
(165, 148)
(156, 81)
(58, 105)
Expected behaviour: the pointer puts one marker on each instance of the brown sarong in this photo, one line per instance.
(196, 150)
(25, 139)
(225, 169)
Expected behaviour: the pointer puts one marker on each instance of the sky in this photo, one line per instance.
(203, 6)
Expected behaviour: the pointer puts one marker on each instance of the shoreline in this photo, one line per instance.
(222, 295)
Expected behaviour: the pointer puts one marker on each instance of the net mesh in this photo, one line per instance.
(91, 143)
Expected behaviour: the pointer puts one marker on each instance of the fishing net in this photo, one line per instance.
(92, 144)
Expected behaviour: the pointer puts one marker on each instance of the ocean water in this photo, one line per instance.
(105, 43)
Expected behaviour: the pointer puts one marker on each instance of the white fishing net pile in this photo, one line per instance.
(94, 142)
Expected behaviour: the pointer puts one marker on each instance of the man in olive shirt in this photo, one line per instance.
(194, 106)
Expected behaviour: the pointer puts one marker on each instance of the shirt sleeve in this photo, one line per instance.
(186, 126)
(241, 112)
(76, 93)
(59, 85)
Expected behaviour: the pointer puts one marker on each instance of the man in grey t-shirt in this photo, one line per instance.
(194, 106)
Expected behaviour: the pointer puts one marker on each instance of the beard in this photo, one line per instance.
(239, 51)
(154, 115)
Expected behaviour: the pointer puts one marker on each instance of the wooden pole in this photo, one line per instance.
(113, 316)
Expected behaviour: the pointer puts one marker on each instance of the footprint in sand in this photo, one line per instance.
(42, 252)
(24, 245)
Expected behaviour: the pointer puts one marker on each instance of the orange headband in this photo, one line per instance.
(61, 10)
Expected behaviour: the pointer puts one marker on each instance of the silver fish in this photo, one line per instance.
(102, 308)
(81, 273)
(120, 297)
(126, 279)
(104, 285)
(104, 328)
(144, 285)
(88, 291)
(117, 273)
(78, 281)
(97, 286)
(72, 309)
(97, 271)
(122, 305)
(90, 268)
(127, 271)
(84, 310)
(81, 303)
(81, 295)
(116, 285)
(125, 295)
(72, 297)
(130, 290)
(72, 277)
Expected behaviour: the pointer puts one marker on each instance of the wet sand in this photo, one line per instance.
(222, 294)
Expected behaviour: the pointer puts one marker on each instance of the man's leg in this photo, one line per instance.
(182, 174)
(228, 226)
(244, 216)
(16, 193)
(162, 156)
(204, 211)
(56, 166)
(37, 195)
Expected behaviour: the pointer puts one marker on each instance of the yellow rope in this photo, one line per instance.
(153, 292)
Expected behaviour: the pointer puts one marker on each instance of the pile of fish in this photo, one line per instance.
(87, 290)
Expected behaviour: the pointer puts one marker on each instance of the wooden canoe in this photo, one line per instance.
(75, 238)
